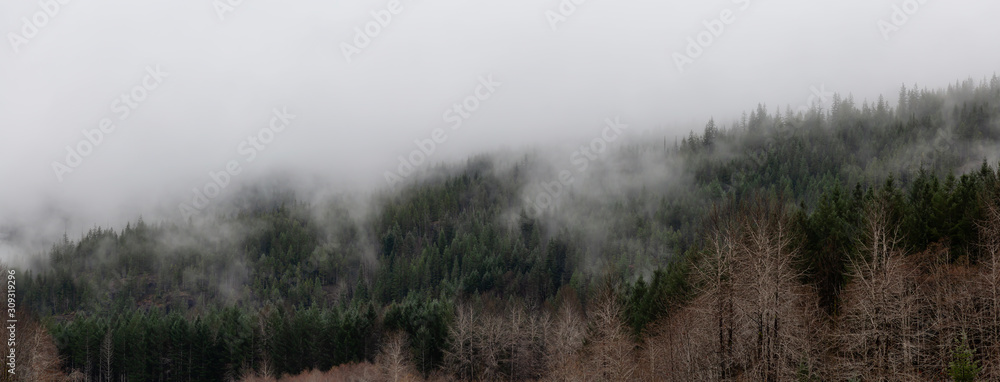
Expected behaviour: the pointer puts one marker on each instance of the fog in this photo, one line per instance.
(290, 88)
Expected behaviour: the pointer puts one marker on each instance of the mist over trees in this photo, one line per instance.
(856, 242)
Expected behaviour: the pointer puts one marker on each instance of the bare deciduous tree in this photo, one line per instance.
(460, 357)
(393, 361)
(713, 276)
(684, 346)
(564, 345)
(763, 319)
(989, 284)
(107, 354)
(38, 358)
(611, 347)
(876, 329)
(773, 310)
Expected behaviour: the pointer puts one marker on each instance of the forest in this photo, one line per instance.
(855, 242)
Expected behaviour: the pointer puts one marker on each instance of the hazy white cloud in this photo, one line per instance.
(353, 119)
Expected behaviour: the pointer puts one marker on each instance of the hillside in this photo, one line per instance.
(859, 242)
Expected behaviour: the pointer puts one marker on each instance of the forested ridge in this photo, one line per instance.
(859, 242)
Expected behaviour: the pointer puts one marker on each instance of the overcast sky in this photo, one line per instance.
(555, 70)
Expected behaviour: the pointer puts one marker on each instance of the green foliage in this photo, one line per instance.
(426, 325)
(828, 239)
(221, 343)
(645, 303)
(963, 367)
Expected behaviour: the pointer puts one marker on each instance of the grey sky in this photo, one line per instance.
(225, 76)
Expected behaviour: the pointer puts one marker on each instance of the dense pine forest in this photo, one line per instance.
(855, 242)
